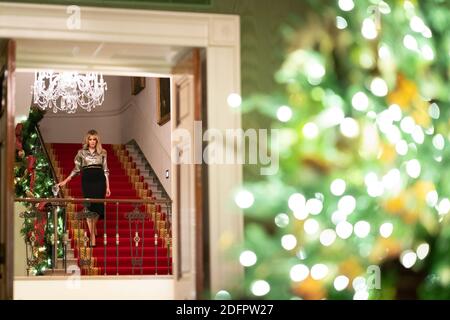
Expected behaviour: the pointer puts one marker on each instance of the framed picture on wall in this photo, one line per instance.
(163, 100)
(137, 85)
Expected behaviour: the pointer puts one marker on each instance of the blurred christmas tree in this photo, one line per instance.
(359, 207)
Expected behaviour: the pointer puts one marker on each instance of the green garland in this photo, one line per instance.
(29, 148)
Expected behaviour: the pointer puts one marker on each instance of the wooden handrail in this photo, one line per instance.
(52, 169)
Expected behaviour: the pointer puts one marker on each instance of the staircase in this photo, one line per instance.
(146, 171)
(141, 246)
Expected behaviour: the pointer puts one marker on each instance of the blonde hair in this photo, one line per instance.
(98, 146)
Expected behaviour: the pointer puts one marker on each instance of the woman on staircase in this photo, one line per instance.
(91, 162)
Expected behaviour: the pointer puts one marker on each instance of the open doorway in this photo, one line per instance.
(137, 146)
(135, 122)
(187, 30)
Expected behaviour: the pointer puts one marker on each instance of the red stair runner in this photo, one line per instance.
(155, 258)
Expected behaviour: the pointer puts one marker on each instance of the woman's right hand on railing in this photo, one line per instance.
(63, 183)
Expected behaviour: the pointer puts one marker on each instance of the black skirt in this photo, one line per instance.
(93, 185)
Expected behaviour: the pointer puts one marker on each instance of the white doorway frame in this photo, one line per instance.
(218, 34)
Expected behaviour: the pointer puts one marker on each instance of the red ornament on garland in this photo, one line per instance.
(31, 161)
(40, 224)
(19, 145)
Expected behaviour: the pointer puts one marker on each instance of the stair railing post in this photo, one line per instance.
(65, 241)
(78, 240)
(169, 233)
(117, 238)
(65, 237)
(142, 245)
(130, 231)
(55, 235)
(156, 252)
(105, 239)
(134, 218)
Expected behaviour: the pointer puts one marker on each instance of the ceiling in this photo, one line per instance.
(99, 56)
(133, 59)
(117, 97)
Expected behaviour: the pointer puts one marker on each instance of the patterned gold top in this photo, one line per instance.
(85, 158)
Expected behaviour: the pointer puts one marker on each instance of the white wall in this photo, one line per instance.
(121, 118)
(93, 288)
(139, 123)
(23, 95)
(73, 129)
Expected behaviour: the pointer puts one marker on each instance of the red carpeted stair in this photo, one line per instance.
(156, 258)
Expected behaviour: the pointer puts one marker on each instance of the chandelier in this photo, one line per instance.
(66, 91)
